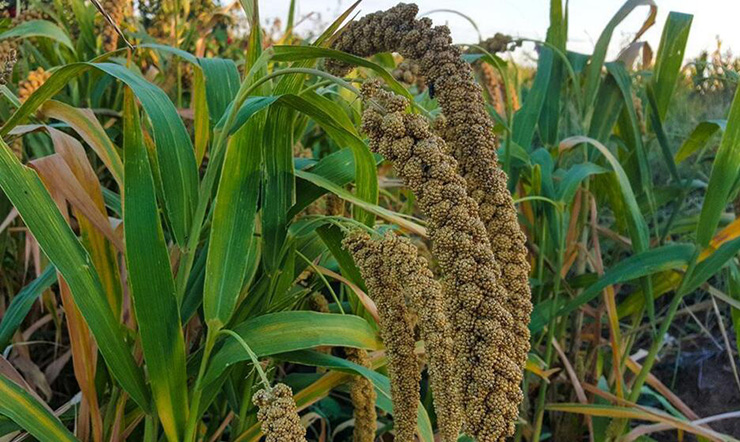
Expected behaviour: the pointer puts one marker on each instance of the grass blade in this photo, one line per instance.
(289, 331)
(724, 172)
(32, 416)
(25, 190)
(22, 303)
(175, 153)
(38, 28)
(233, 223)
(667, 257)
(699, 137)
(152, 284)
(526, 119)
(593, 71)
(669, 59)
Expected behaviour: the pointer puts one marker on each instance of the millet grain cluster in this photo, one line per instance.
(487, 350)
(408, 72)
(424, 295)
(278, 415)
(362, 393)
(468, 131)
(396, 329)
(34, 81)
(118, 11)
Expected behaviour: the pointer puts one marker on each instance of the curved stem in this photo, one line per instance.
(323, 279)
(194, 414)
(252, 356)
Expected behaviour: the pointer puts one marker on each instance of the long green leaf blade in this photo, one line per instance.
(175, 153)
(22, 303)
(38, 28)
(293, 330)
(724, 172)
(233, 223)
(26, 411)
(636, 266)
(669, 59)
(25, 190)
(152, 284)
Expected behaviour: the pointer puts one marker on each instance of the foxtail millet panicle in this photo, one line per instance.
(9, 58)
(485, 347)
(469, 132)
(396, 330)
(117, 10)
(362, 393)
(34, 81)
(278, 415)
(411, 272)
(407, 72)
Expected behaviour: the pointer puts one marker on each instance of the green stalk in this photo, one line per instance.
(194, 414)
(242, 424)
(323, 279)
(252, 356)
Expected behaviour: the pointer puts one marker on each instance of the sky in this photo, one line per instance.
(529, 18)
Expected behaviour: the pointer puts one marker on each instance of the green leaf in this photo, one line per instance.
(338, 167)
(699, 137)
(32, 416)
(669, 59)
(222, 83)
(175, 154)
(713, 264)
(151, 281)
(39, 28)
(278, 189)
(661, 135)
(724, 172)
(330, 116)
(40, 214)
(222, 78)
(557, 35)
(526, 119)
(233, 223)
(632, 130)
(289, 331)
(301, 53)
(382, 212)
(666, 257)
(22, 303)
(638, 228)
(607, 108)
(573, 177)
(382, 384)
(593, 71)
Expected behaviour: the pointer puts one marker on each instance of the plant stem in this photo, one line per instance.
(252, 356)
(194, 414)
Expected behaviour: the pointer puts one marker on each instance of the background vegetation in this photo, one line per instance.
(120, 299)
